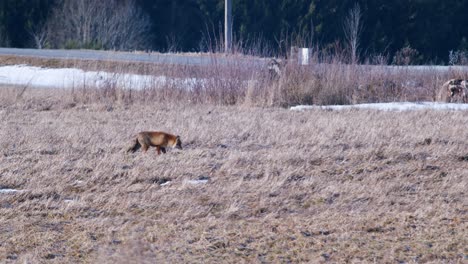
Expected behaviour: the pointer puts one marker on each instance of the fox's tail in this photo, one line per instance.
(135, 146)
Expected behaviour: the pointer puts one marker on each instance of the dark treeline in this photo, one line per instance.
(428, 29)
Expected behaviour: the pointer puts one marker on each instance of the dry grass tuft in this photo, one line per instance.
(316, 186)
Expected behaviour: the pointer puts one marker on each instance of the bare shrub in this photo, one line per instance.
(40, 35)
(458, 57)
(406, 56)
(246, 82)
(352, 28)
(111, 24)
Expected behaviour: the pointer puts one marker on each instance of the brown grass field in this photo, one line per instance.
(357, 186)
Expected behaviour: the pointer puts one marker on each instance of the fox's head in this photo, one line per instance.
(178, 143)
(454, 90)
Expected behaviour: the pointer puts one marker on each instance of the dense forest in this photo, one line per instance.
(427, 30)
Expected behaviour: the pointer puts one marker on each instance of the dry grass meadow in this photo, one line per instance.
(357, 186)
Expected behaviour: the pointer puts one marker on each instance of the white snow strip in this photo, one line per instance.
(164, 184)
(397, 106)
(77, 78)
(9, 191)
(197, 181)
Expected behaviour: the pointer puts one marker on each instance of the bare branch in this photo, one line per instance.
(40, 35)
(352, 28)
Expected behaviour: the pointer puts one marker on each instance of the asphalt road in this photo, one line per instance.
(195, 59)
(157, 58)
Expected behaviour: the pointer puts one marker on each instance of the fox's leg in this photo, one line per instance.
(158, 149)
(145, 148)
(163, 150)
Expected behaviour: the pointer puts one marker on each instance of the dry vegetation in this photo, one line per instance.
(283, 187)
(247, 82)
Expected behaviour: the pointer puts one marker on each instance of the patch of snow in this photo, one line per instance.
(9, 191)
(201, 180)
(439, 68)
(410, 68)
(165, 183)
(396, 106)
(76, 78)
(197, 181)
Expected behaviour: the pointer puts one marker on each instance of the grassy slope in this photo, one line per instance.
(284, 186)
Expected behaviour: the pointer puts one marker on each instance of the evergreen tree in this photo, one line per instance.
(432, 27)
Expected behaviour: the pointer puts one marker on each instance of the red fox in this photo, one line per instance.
(160, 140)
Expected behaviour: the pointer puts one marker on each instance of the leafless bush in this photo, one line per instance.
(406, 56)
(378, 59)
(352, 28)
(40, 39)
(40, 35)
(458, 57)
(111, 24)
(239, 82)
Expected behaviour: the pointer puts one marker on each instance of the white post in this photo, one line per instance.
(304, 56)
